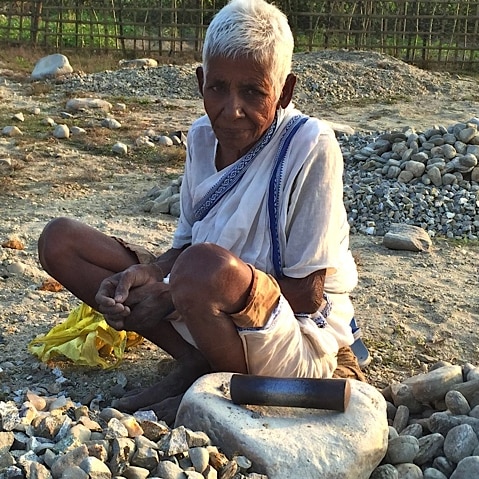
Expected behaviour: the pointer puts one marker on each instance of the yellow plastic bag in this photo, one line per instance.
(86, 339)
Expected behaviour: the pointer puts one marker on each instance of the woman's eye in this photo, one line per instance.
(253, 92)
(217, 88)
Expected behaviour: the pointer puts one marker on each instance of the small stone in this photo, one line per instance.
(407, 237)
(467, 468)
(120, 149)
(457, 403)
(95, 468)
(460, 441)
(111, 123)
(11, 131)
(51, 66)
(61, 131)
(164, 140)
(200, 458)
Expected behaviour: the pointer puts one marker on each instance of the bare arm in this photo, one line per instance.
(305, 295)
(167, 259)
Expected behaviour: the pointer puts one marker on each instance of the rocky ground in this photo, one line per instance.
(414, 308)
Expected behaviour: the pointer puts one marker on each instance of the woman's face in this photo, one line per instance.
(240, 101)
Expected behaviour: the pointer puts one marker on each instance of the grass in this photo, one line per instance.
(37, 143)
(22, 59)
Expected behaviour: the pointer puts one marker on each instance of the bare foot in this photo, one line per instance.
(165, 396)
(166, 410)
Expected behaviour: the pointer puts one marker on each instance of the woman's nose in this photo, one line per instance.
(234, 106)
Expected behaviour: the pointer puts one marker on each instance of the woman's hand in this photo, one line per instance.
(135, 298)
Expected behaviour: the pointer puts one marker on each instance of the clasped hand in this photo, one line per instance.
(135, 298)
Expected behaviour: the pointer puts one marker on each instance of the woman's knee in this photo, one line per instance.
(54, 238)
(208, 271)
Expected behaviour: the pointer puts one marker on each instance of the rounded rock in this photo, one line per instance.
(386, 471)
(402, 449)
(409, 471)
(460, 442)
(467, 468)
(61, 132)
(431, 473)
(457, 403)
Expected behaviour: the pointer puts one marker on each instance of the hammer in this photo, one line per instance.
(332, 394)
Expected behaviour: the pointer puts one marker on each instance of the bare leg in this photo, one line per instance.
(80, 257)
(208, 284)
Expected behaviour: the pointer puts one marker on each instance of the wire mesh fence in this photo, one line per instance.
(434, 34)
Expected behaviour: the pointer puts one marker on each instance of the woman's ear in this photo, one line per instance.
(200, 76)
(287, 92)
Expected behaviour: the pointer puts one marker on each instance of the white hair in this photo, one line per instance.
(253, 29)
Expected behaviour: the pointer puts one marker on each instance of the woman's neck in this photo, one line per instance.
(225, 158)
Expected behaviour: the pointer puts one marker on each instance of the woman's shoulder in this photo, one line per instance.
(201, 132)
(318, 127)
(201, 123)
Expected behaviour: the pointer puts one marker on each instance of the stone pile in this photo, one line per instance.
(433, 422)
(52, 437)
(325, 77)
(439, 156)
(426, 179)
(434, 425)
(164, 200)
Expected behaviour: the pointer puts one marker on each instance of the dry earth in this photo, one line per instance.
(414, 308)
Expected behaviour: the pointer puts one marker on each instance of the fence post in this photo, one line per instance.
(36, 16)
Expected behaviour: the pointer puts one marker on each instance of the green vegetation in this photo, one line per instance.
(430, 34)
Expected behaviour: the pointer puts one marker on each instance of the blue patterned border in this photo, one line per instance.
(275, 189)
(231, 177)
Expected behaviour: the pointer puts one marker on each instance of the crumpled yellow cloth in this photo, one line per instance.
(86, 339)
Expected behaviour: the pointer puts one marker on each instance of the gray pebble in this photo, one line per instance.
(460, 442)
(468, 468)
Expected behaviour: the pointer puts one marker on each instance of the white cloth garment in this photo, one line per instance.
(313, 228)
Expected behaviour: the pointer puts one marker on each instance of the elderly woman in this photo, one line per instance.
(259, 272)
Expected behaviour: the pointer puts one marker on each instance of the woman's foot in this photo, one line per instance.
(164, 397)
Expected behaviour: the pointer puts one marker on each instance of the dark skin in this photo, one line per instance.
(241, 103)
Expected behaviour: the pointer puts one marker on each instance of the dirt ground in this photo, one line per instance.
(414, 308)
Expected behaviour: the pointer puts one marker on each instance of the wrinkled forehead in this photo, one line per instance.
(246, 64)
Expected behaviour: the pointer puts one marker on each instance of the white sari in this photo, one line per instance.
(312, 231)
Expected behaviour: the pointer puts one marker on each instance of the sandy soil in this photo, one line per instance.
(414, 308)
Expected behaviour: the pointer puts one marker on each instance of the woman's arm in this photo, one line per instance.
(305, 295)
(167, 259)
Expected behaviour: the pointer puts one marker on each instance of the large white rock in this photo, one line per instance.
(291, 442)
(81, 104)
(51, 66)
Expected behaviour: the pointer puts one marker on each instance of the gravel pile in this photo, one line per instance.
(400, 179)
(47, 437)
(326, 77)
(428, 179)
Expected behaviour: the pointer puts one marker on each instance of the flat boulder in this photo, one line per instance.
(407, 237)
(285, 442)
(85, 104)
(138, 63)
(51, 66)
